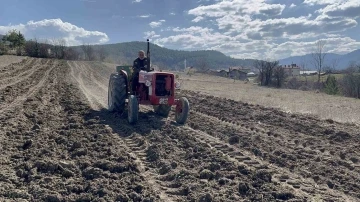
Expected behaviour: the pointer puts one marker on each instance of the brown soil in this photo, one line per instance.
(59, 143)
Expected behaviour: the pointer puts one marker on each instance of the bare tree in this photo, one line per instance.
(88, 51)
(260, 66)
(102, 53)
(58, 48)
(202, 65)
(270, 66)
(331, 68)
(319, 57)
(71, 54)
(303, 68)
(279, 75)
(335, 63)
(266, 71)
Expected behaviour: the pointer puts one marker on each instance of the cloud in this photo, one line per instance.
(238, 7)
(292, 5)
(349, 9)
(198, 19)
(56, 28)
(172, 13)
(151, 34)
(144, 16)
(137, 1)
(259, 28)
(322, 2)
(155, 24)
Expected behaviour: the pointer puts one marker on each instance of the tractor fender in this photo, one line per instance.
(121, 71)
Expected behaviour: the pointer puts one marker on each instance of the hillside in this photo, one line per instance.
(126, 53)
(343, 61)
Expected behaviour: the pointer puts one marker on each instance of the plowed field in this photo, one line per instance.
(59, 143)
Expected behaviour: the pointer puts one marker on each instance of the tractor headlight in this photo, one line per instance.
(147, 83)
(177, 85)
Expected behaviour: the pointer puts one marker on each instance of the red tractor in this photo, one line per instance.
(154, 88)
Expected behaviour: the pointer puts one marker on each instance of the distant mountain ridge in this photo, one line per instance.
(127, 52)
(340, 61)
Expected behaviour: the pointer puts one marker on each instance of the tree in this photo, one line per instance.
(71, 54)
(350, 84)
(303, 68)
(202, 65)
(279, 76)
(88, 51)
(3, 49)
(260, 65)
(331, 86)
(319, 57)
(58, 48)
(16, 39)
(334, 64)
(33, 48)
(331, 68)
(270, 71)
(102, 53)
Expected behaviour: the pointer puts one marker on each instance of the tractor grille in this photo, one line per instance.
(160, 88)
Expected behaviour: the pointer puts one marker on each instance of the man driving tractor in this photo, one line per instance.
(139, 64)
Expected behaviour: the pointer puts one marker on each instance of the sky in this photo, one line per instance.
(257, 29)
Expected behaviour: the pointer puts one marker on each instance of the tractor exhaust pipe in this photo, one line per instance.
(148, 56)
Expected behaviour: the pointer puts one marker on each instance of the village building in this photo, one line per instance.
(239, 73)
(291, 70)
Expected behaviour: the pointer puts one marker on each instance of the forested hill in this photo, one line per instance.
(126, 53)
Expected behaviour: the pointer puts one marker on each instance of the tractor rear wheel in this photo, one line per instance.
(182, 110)
(162, 110)
(117, 93)
(133, 109)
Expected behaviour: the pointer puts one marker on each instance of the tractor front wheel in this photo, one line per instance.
(133, 109)
(162, 110)
(182, 110)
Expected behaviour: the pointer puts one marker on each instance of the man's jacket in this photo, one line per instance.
(139, 65)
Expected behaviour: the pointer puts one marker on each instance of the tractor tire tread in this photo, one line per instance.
(117, 85)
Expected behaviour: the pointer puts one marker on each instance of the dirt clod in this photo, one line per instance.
(52, 198)
(164, 169)
(36, 127)
(92, 173)
(206, 174)
(152, 154)
(340, 136)
(205, 198)
(243, 188)
(283, 195)
(27, 144)
(234, 139)
(223, 181)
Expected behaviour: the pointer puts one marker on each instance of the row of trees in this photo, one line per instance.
(270, 73)
(14, 42)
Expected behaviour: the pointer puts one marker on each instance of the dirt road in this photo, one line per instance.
(59, 143)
